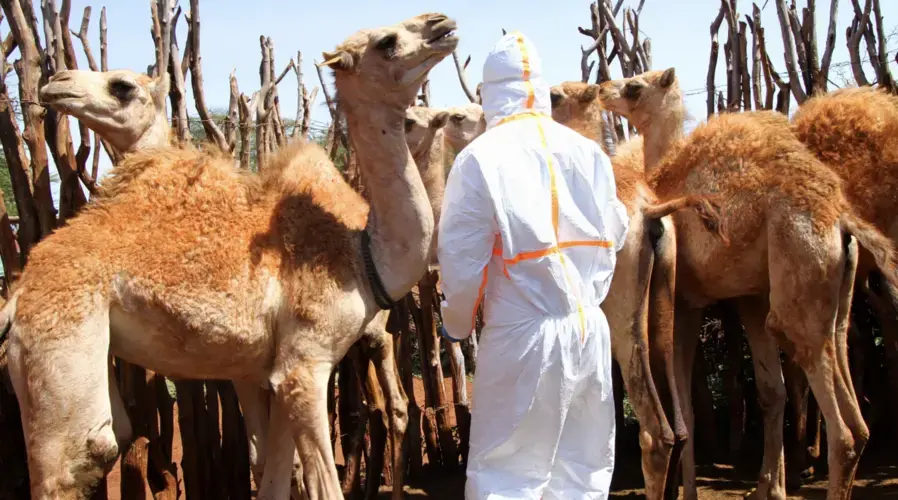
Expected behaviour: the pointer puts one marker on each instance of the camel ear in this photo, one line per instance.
(439, 120)
(669, 76)
(338, 60)
(589, 94)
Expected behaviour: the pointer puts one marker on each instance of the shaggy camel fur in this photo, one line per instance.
(855, 133)
(790, 265)
(642, 291)
(128, 109)
(260, 280)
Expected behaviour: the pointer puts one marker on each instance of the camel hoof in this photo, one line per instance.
(752, 495)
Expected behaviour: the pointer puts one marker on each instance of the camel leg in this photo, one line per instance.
(798, 397)
(254, 402)
(301, 388)
(61, 380)
(662, 297)
(274, 484)
(630, 347)
(771, 390)
(820, 350)
(121, 423)
(381, 353)
(688, 323)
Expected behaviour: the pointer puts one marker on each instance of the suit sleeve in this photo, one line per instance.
(465, 242)
(614, 213)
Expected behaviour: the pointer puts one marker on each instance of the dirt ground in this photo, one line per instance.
(875, 479)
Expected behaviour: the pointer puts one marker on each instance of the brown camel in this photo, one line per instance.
(790, 265)
(641, 296)
(128, 109)
(855, 133)
(268, 279)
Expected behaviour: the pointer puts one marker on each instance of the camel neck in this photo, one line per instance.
(401, 220)
(157, 136)
(661, 135)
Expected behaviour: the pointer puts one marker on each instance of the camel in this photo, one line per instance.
(855, 133)
(790, 264)
(642, 291)
(128, 109)
(268, 280)
(466, 123)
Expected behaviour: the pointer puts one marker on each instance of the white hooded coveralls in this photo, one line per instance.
(531, 225)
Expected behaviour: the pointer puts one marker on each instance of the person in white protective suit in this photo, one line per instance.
(530, 226)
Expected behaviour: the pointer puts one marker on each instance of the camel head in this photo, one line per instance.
(421, 125)
(124, 107)
(465, 124)
(574, 104)
(388, 65)
(639, 97)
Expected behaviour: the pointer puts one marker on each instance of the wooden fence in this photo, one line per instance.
(211, 438)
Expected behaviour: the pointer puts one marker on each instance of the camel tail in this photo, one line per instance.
(875, 242)
(6, 315)
(706, 209)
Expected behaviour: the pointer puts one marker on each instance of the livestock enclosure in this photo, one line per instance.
(190, 439)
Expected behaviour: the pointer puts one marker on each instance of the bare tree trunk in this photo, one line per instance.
(234, 449)
(177, 93)
(28, 69)
(712, 64)
(378, 423)
(59, 139)
(430, 347)
(353, 417)
(16, 162)
(196, 79)
(404, 360)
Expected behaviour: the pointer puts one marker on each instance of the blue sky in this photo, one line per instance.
(679, 30)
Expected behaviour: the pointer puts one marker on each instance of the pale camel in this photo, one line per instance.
(466, 123)
(128, 109)
(261, 279)
(790, 265)
(640, 302)
(855, 133)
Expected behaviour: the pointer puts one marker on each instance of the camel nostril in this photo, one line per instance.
(435, 20)
(61, 77)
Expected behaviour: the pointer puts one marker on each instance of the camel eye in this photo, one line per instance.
(387, 45)
(632, 90)
(121, 89)
(556, 99)
(458, 117)
(409, 123)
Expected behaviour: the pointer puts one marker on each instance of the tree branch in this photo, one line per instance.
(176, 91)
(823, 76)
(789, 47)
(196, 78)
(885, 74)
(712, 63)
(854, 34)
(461, 77)
(301, 97)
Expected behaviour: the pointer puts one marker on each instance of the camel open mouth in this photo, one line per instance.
(443, 33)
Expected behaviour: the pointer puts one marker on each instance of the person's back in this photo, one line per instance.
(531, 226)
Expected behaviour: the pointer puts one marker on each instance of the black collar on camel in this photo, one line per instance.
(381, 297)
